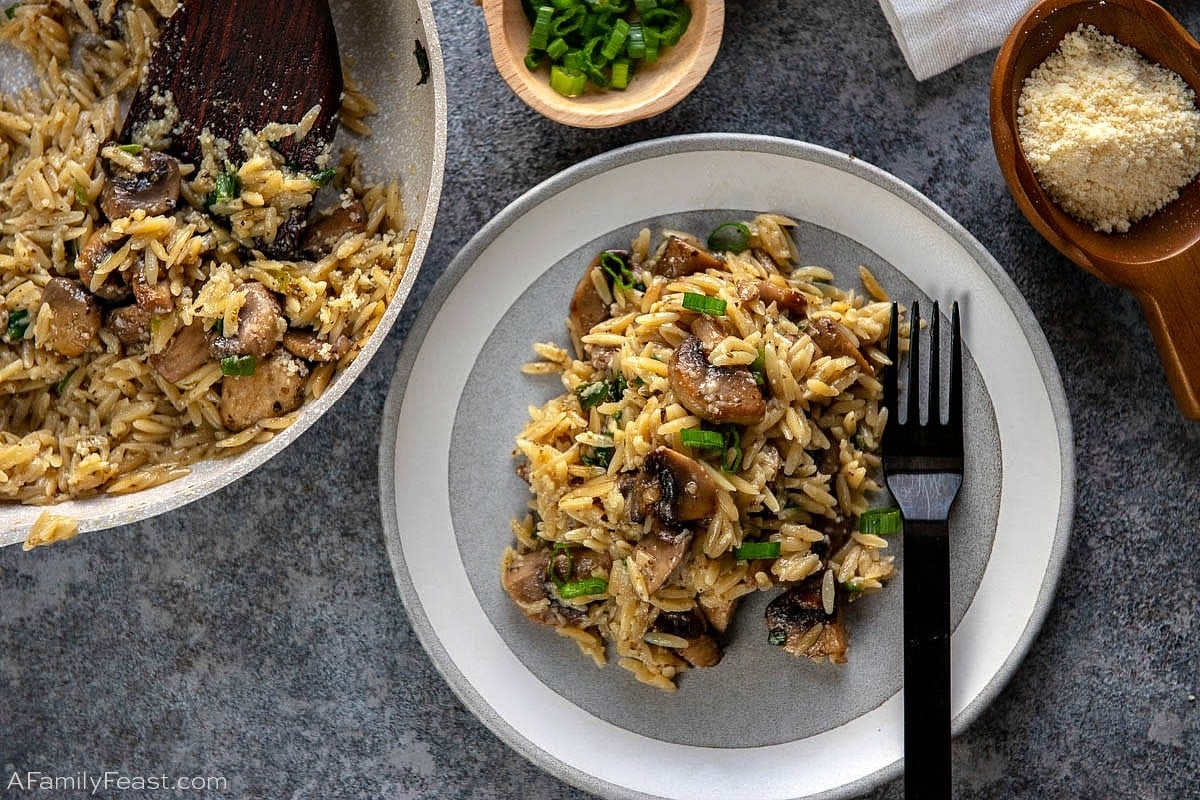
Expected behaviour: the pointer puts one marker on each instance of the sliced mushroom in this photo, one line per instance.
(311, 347)
(797, 621)
(76, 319)
(150, 182)
(657, 555)
(785, 298)
(131, 324)
(578, 563)
(718, 613)
(680, 257)
(588, 308)
(525, 578)
(836, 340)
(717, 394)
(327, 230)
(92, 256)
(156, 297)
(672, 487)
(702, 649)
(709, 331)
(186, 352)
(276, 387)
(260, 325)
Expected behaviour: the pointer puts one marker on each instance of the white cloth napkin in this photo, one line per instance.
(934, 35)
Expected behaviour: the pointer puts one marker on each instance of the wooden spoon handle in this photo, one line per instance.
(1170, 299)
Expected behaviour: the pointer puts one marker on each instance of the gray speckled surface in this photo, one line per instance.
(257, 635)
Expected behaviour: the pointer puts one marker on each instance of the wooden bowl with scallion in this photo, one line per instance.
(603, 63)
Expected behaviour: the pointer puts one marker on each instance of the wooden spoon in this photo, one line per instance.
(1158, 260)
(652, 90)
(232, 65)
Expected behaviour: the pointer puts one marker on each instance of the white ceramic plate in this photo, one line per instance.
(408, 142)
(761, 724)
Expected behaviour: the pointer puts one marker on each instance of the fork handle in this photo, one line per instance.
(926, 660)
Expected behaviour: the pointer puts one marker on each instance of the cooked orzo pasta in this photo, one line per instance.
(717, 436)
(142, 328)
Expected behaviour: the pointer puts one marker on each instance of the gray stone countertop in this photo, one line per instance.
(257, 634)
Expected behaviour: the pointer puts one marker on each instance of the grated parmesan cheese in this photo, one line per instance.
(1110, 136)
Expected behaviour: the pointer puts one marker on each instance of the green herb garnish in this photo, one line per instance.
(729, 237)
(238, 366)
(713, 306)
(18, 321)
(751, 551)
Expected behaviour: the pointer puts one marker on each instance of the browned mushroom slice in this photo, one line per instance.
(719, 614)
(150, 183)
(76, 319)
(797, 621)
(327, 230)
(156, 297)
(260, 325)
(131, 324)
(276, 387)
(717, 394)
(186, 352)
(578, 563)
(784, 297)
(836, 340)
(702, 649)
(680, 257)
(709, 331)
(658, 554)
(92, 256)
(311, 347)
(526, 580)
(672, 487)
(588, 308)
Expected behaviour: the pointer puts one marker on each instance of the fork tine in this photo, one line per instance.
(912, 415)
(891, 375)
(933, 389)
(955, 420)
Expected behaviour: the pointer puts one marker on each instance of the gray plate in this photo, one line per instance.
(510, 287)
(409, 143)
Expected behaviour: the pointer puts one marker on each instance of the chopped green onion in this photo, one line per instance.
(617, 270)
(592, 394)
(238, 366)
(615, 44)
(652, 37)
(225, 188)
(758, 368)
(636, 43)
(132, 149)
(729, 237)
(18, 321)
(853, 586)
(539, 37)
(777, 637)
(645, 6)
(702, 439)
(533, 60)
(713, 306)
(600, 457)
(882, 521)
(673, 32)
(323, 177)
(619, 77)
(62, 383)
(616, 388)
(732, 440)
(557, 49)
(584, 588)
(567, 83)
(81, 195)
(750, 551)
(11, 11)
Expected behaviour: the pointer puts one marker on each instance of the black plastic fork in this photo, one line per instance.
(923, 466)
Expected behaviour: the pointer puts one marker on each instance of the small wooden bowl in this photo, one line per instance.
(652, 90)
(1158, 260)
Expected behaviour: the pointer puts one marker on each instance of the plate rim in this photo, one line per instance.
(647, 150)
